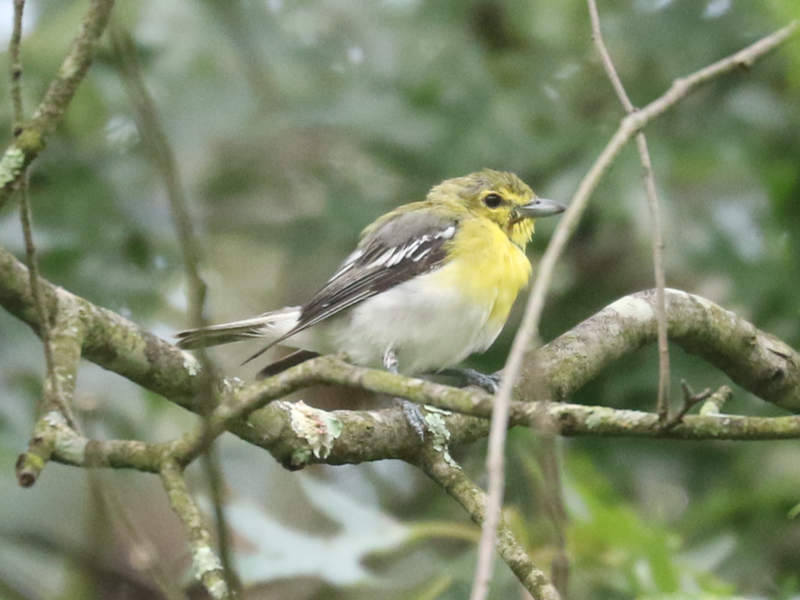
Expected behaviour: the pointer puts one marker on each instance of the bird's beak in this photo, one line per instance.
(539, 207)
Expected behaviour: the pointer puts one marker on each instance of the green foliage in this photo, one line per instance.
(294, 125)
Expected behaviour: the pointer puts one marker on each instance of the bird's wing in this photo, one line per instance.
(398, 249)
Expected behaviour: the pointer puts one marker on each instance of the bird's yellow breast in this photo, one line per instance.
(486, 266)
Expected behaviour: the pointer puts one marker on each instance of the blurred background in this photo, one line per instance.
(296, 123)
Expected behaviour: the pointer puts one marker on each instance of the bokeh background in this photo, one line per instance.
(294, 124)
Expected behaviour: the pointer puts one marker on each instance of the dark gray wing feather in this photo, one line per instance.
(408, 245)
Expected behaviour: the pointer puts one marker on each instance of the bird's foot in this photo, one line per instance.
(412, 412)
(415, 417)
(489, 382)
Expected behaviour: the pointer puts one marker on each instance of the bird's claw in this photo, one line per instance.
(414, 417)
(489, 382)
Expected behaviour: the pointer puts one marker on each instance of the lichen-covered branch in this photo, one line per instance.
(298, 435)
(628, 127)
(71, 448)
(32, 135)
(66, 339)
(64, 344)
(662, 402)
(443, 470)
(15, 67)
(714, 404)
(207, 566)
(110, 340)
(755, 360)
(528, 332)
(163, 160)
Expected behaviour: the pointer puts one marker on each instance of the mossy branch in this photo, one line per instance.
(30, 137)
(441, 468)
(297, 434)
(65, 341)
(757, 361)
(206, 564)
(527, 335)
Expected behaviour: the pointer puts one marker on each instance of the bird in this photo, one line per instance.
(428, 284)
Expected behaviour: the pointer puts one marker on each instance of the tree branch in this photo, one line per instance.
(64, 349)
(163, 160)
(297, 434)
(15, 68)
(757, 361)
(72, 448)
(528, 332)
(32, 135)
(628, 127)
(662, 402)
(438, 465)
(110, 341)
(207, 566)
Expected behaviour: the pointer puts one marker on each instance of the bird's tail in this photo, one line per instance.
(269, 326)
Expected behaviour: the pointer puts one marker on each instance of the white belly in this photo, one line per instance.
(426, 330)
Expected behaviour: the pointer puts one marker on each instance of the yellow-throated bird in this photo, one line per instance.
(429, 283)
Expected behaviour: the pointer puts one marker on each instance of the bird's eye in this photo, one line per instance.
(493, 200)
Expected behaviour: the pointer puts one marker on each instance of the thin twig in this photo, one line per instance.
(54, 403)
(15, 68)
(33, 270)
(15, 75)
(207, 566)
(662, 402)
(713, 406)
(528, 332)
(143, 555)
(549, 460)
(690, 399)
(627, 128)
(164, 162)
(440, 467)
(214, 476)
(30, 141)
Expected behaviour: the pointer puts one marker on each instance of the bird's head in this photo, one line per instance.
(499, 196)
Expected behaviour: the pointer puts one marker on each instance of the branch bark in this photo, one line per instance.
(164, 162)
(31, 137)
(15, 68)
(438, 465)
(757, 361)
(64, 341)
(298, 435)
(528, 333)
(662, 402)
(206, 564)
